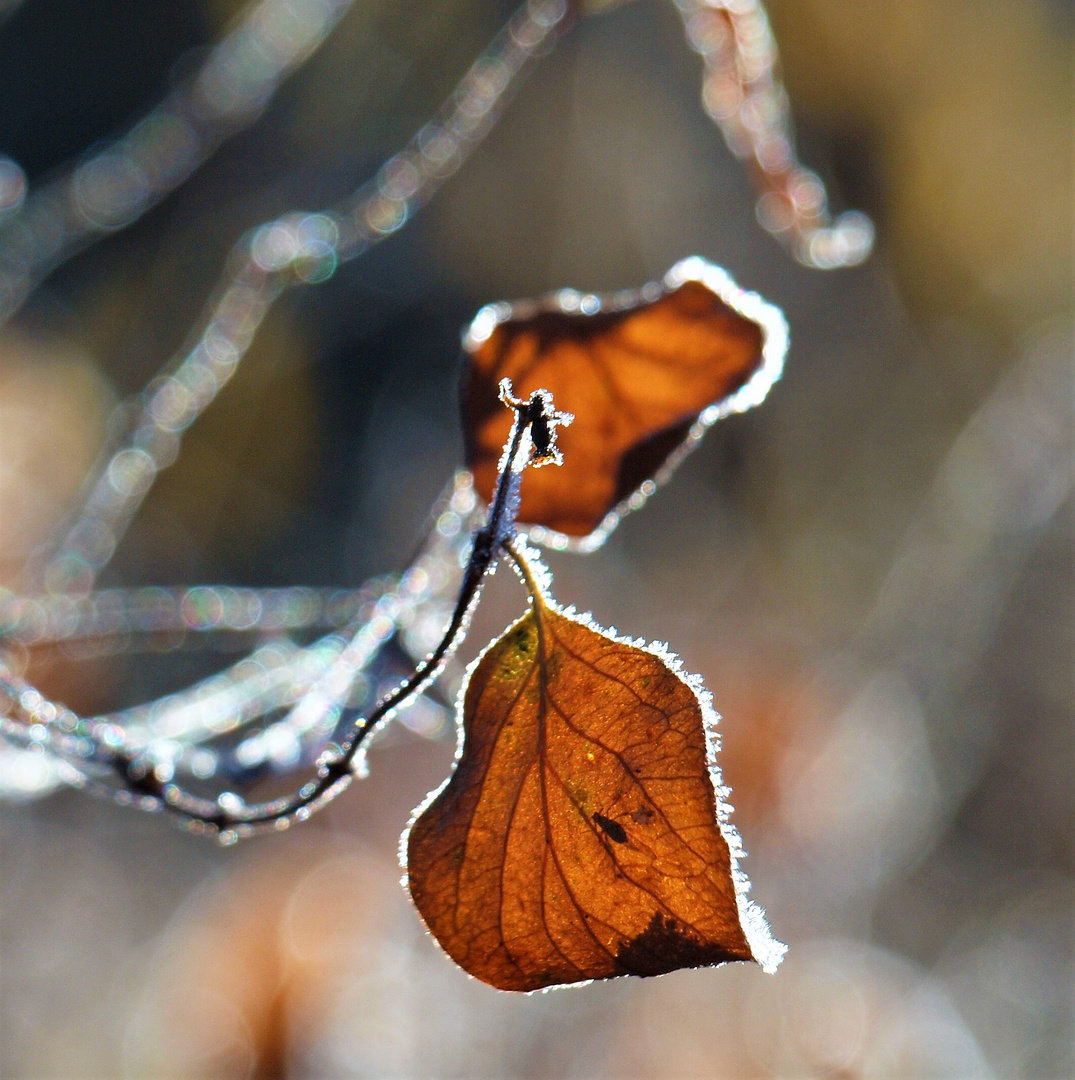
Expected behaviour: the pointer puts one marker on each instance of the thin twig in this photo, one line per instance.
(229, 817)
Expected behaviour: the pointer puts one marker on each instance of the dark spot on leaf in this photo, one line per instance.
(613, 829)
(644, 459)
(666, 946)
(643, 815)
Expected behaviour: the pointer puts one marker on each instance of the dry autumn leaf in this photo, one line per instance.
(644, 372)
(581, 834)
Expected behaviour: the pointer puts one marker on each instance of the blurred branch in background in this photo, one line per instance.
(873, 573)
(113, 186)
(302, 248)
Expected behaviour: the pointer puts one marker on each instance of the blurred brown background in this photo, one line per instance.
(873, 571)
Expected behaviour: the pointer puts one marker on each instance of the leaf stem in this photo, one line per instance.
(526, 572)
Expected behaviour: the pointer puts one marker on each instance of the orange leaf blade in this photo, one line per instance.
(580, 836)
(644, 374)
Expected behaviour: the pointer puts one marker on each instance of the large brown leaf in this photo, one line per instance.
(643, 372)
(579, 836)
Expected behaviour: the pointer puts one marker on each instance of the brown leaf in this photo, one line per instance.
(644, 374)
(579, 836)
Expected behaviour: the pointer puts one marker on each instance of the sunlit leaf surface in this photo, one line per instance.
(644, 372)
(579, 836)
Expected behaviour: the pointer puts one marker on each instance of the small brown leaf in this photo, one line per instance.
(644, 374)
(580, 836)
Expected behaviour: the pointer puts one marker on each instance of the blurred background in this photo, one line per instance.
(872, 571)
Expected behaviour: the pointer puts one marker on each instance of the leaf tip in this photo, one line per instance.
(767, 950)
